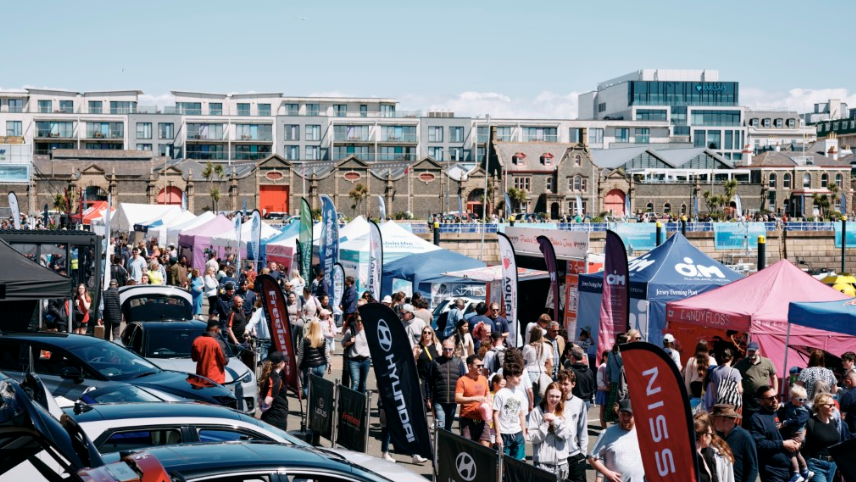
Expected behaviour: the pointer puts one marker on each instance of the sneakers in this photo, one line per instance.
(807, 475)
(796, 478)
(417, 459)
(388, 457)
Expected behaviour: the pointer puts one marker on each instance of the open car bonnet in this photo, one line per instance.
(155, 303)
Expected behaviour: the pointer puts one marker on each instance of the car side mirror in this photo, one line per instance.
(71, 373)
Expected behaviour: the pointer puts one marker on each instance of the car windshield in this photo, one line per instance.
(155, 307)
(113, 361)
(173, 343)
(442, 306)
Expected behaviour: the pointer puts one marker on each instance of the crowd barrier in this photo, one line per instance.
(422, 228)
(460, 459)
(338, 414)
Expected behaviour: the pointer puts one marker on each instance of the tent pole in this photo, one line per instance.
(785, 374)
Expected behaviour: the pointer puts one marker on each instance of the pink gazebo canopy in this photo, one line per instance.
(758, 304)
(199, 238)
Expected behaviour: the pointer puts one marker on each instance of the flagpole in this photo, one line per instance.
(484, 197)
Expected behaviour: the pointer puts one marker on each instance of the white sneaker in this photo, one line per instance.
(388, 457)
(417, 459)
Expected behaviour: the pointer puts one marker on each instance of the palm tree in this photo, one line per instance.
(209, 173)
(357, 194)
(730, 188)
(833, 195)
(517, 196)
(822, 203)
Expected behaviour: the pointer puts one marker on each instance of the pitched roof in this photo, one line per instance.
(531, 155)
(615, 158)
(790, 159)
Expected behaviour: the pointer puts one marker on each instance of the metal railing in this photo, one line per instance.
(540, 138)
(402, 138)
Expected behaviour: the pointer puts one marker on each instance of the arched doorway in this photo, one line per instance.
(170, 195)
(474, 202)
(614, 202)
(92, 194)
(554, 210)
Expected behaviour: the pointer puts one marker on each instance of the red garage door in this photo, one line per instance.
(273, 199)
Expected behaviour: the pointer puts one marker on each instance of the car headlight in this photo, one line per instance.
(247, 377)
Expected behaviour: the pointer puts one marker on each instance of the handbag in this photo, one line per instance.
(727, 392)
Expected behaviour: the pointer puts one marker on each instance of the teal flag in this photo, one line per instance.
(305, 239)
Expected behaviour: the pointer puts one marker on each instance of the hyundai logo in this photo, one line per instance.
(384, 337)
(466, 466)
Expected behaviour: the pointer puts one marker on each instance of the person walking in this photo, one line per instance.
(210, 289)
(725, 384)
(272, 392)
(209, 353)
(696, 368)
(412, 324)
(349, 301)
(614, 372)
(312, 355)
(739, 440)
(557, 343)
(509, 413)
(359, 358)
(425, 353)
(756, 372)
(197, 288)
(715, 461)
(136, 265)
(822, 431)
(443, 379)
(602, 389)
(328, 328)
(463, 340)
(816, 377)
(585, 383)
(535, 356)
(616, 454)
(669, 348)
(82, 303)
(550, 431)
(576, 417)
(773, 459)
(471, 393)
(112, 313)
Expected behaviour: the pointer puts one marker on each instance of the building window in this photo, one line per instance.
(575, 135)
(364, 110)
(643, 136)
(792, 123)
(387, 110)
(16, 105)
(292, 109)
(537, 134)
(578, 160)
(667, 208)
(13, 129)
(806, 180)
(213, 132)
(779, 123)
(435, 134)
(144, 147)
(456, 153)
(313, 153)
(144, 130)
(292, 153)
(595, 136)
(772, 180)
(54, 129)
(824, 180)
(45, 106)
(342, 152)
(313, 109)
(786, 180)
(715, 118)
(264, 109)
(503, 133)
(550, 184)
(683, 209)
(456, 134)
(547, 159)
(650, 115)
(699, 139)
(622, 134)
(122, 107)
(766, 123)
(189, 108)
(522, 183)
(166, 150)
(480, 154)
(66, 106)
(398, 134)
(313, 132)
(729, 140)
(95, 107)
(166, 130)
(649, 208)
(838, 181)
(253, 132)
(714, 140)
(244, 109)
(753, 122)
(215, 108)
(771, 198)
(292, 132)
(577, 184)
(340, 110)
(435, 153)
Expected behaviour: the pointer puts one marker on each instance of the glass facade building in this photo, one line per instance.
(720, 94)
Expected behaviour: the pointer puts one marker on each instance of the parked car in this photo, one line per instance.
(155, 303)
(131, 426)
(168, 345)
(69, 365)
(447, 304)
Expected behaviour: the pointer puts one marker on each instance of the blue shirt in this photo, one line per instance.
(349, 300)
(745, 455)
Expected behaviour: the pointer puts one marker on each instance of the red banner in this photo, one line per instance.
(661, 411)
(553, 269)
(615, 302)
(273, 302)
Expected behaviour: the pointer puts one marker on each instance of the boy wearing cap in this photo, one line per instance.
(616, 453)
(739, 440)
(669, 347)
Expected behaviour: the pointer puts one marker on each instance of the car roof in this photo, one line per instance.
(168, 325)
(62, 340)
(198, 459)
(119, 411)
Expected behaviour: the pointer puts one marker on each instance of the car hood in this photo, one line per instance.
(187, 385)
(390, 470)
(234, 369)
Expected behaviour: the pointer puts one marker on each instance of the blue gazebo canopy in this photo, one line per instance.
(832, 316)
(426, 266)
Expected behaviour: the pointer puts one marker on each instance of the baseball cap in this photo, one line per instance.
(408, 308)
(753, 346)
(387, 299)
(276, 357)
(325, 312)
(624, 406)
(230, 286)
(669, 337)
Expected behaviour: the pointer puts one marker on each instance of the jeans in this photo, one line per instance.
(514, 445)
(385, 438)
(823, 471)
(359, 371)
(318, 371)
(445, 414)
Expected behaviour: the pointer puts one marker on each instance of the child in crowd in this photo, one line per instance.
(796, 416)
(509, 413)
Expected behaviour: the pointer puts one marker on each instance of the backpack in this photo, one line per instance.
(727, 392)
(498, 360)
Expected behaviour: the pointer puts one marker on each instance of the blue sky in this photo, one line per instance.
(526, 59)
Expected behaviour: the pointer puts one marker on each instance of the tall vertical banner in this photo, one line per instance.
(107, 236)
(508, 208)
(238, 218)
(305, 240)
(627, 205)
(738, 207)
(184, 201)
(381, 205)
(338, 286)
(579, 205)
(572, 294)
(549, 253)
(256, 236)
(273, 302)
(375, 260)
(244, 212)
(397, 380)
(329, 238)
(508, 285)
(661, 408)
(16, 211)
(45, 220)
(615, 303)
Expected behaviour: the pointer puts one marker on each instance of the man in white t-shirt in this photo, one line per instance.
(616, 453)
(509, 414)
(412, 325)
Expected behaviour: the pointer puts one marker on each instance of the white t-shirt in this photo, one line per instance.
(510, 403)
(414, 329)
(618, 449)
(525, 384)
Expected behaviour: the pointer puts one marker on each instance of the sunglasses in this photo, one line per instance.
(828, 405)
(448, 349)
(774, 397)
(426, 332)
(801, 400)
(478, 366)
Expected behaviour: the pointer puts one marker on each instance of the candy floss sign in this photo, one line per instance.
(567, 244)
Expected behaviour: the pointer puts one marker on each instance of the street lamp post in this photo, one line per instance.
(484, 195)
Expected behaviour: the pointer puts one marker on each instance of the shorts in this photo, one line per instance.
(600, 397)
(81, 320)
(475, 430)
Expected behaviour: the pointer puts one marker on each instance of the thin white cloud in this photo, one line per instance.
(797, 99)
(545, 105)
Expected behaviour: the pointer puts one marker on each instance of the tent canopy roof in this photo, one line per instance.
(493, 273)
(419, 267)
(214, 226)
(832, 316)
(128, 214)
(27, 280)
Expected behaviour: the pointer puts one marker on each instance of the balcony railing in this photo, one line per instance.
(205, 137)
(352, 138)
(541, 138)
(105, 135)
(254, 137)
(411, 138)
(55, 135)
(249, 156)
(12, 109)
(208, 156)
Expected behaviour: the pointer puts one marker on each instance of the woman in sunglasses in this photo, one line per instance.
(715, 460)
(425, 353)
(822, 431)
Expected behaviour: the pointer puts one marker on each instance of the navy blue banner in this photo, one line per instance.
(329, 252)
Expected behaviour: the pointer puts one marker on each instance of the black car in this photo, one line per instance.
(256, 461)
(70, 364)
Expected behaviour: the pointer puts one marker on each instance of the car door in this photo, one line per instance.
(141, 437)
(50, 363)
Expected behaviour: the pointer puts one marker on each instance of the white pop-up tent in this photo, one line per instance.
(230, 237)
(174, 230)
(158, 230)
(127, 214)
